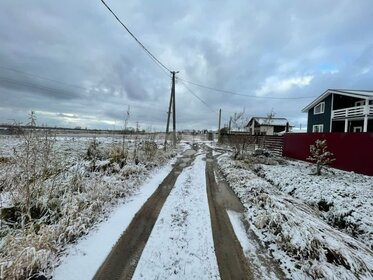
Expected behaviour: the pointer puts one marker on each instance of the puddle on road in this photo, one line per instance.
(186, 159)
(226, 197)
(189, 152)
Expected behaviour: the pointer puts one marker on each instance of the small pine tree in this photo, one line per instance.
(320, 155)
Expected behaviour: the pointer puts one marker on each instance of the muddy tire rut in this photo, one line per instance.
(231, 259)
(122, 260)
(232, 262)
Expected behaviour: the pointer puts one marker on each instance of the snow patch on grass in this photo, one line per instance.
(344, 198)
(251, 249)
(305, 245)
(84, 258)
(56, 189)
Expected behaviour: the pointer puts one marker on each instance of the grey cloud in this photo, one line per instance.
(239, 45)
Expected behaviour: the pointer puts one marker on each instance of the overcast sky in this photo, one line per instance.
(74, 65)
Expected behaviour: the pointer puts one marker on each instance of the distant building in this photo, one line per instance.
(339, 110)
(267, 126)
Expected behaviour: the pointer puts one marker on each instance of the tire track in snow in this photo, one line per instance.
(181, 244)
(122, 260)
(231, 259)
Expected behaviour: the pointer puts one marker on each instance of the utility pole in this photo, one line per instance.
(137, 127)
(219, 124)
(126, 118)
(171, 107)
(168, 121)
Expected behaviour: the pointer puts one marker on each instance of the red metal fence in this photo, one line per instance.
(353, 151)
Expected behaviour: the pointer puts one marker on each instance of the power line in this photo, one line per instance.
(196, 96)
(28, 84)
(241, 94)
(190, 82)
(59, 90)
(137, 40)
(42, 78)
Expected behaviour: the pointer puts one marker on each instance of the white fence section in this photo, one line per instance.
(351, 112)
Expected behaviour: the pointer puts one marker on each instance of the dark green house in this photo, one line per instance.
(340, 110)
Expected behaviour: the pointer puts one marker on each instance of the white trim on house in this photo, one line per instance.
(318, 128)
(359, 103)
(321, 107)
(352, 93)
(331, 115)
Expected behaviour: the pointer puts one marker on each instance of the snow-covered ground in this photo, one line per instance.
(314, 226)
(344, 199)
(69, 184)
(181, 244)
(293, 232)
(84, 258)
(260, 260)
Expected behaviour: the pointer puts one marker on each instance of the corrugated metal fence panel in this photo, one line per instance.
(352, 151)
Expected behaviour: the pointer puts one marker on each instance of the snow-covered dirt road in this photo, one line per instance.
(181, 244)
(123, 259)
(183, 231)
(236, 259)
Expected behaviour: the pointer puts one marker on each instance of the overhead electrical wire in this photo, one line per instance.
(42, 78)
(35, 86)
(159, 63)
(196, 96)
(65, 89)
(137, 40)
(241, 94)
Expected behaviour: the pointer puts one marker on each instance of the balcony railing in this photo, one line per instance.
(351, 112)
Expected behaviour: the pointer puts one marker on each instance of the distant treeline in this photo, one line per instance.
(18, 129)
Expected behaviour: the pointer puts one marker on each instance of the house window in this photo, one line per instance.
(359, 103)
(319, 108)
(358, 129)
(318, 128)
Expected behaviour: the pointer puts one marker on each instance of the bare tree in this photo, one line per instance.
(270, 117)
(239, 120)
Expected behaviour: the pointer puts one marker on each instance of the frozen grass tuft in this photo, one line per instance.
(305, 245)
(54, 190)
(343, 198)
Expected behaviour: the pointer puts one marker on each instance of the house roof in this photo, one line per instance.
(271, 122)
(347, 92)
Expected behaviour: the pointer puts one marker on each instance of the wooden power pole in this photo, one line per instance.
(219, 124)
(168, 121)
(171, 107)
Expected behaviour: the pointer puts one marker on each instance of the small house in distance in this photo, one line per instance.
(267, 126)
(339, 110)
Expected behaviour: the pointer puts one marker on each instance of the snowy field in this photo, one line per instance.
(344, 199)
(84, 258)
(293, 231)
(66, 200)
(181, 244)
(53, 190)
